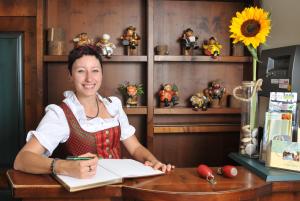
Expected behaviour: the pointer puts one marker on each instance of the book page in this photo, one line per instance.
(280, 126)
(102, 177)
(128, 168)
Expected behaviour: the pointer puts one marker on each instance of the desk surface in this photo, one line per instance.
(180, 184)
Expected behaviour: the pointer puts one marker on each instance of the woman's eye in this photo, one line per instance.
(80, 71)
(96, 70)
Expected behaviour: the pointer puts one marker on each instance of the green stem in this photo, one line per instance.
(253, 99)
(254, 69)
(253, 111)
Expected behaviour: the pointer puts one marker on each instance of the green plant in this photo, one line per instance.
(130, 90)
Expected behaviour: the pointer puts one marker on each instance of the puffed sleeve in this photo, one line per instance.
(127, 130)
(52, 130)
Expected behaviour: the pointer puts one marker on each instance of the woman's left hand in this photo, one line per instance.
(160, 166)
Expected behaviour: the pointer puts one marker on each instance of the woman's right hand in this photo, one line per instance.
(82, 169)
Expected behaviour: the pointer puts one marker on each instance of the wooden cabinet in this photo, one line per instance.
(178, 135)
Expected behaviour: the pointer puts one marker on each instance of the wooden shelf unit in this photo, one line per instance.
(225, 59)
(114, 58)
(185, 110)
(135, 110)
(158, 22)
(194, 128)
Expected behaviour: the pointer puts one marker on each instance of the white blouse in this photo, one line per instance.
(54, 128)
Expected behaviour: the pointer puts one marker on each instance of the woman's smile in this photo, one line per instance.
(87, 75)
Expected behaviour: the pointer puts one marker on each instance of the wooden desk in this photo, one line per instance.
(182, 184)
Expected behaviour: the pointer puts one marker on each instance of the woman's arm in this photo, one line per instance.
(30, 159)
(140, 153)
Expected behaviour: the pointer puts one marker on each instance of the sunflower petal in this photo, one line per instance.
(251, 13)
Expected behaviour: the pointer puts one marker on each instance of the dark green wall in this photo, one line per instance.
(11, 102)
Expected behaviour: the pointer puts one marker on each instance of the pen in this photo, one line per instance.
(77, 158)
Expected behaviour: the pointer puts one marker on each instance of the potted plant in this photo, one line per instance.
(131, 92)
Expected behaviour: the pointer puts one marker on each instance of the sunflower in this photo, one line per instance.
(251, 27)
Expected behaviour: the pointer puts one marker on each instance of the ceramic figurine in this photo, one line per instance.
(131, 92)
(130, 39)
(215, 93)
(168, 95)
(211, 47)
(82, 39)
(188, 42)
(107, 48)
(199, 100)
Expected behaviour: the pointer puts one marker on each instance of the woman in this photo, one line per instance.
(87, 124)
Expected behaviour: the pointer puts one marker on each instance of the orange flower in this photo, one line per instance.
(131, 90)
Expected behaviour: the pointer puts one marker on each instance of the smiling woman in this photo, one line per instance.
(85, 124)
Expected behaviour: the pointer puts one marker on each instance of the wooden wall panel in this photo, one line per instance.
(18, 8)
(206, 18)
(97, 18)
(192, 149)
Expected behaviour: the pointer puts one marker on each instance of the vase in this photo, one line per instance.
(132, 101)
(215, 103)
(161, 50)
(248, 145)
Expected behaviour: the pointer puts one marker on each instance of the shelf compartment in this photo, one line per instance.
(135, 110)
(186, 110)
(114, 58)
(195, 128)
(225, 59)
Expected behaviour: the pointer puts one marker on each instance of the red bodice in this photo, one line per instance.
(104, 143)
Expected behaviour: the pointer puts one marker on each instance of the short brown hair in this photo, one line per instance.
(80, 51)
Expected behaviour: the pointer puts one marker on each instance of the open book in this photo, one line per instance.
(109, 171)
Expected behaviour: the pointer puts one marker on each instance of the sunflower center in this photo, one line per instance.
(250, 28)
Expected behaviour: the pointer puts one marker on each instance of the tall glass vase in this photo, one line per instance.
(249, 114)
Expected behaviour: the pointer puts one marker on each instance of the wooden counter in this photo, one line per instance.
(181, 184)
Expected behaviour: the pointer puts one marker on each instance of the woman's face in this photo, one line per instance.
(87, 75)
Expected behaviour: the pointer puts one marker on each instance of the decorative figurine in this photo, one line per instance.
(215, 93)
(131, 92)
(130, 39)
(188, 42)
(168, 95)
(199, 100)
(82, 39)
(107, 48)
(211, 47)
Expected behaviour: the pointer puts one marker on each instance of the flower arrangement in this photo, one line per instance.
(131, 92)
(251, 27)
